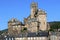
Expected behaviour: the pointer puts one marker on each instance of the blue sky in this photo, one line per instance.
(20, 9)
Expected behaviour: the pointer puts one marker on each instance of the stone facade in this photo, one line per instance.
(54, 36)
(35, 23)
(42, 20)
(27, 38)
(14, 27)
(32, 38)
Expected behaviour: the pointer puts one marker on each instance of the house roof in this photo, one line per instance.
(39, 34)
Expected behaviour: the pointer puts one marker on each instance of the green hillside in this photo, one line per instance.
(55, 25)
(0, 32)
(3, 31)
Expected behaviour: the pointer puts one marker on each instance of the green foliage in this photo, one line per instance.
(21, 30)
(51, 30)
(54, 25)
(24, 29)
(1, 32)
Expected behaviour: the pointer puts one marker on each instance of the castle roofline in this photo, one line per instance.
(13, 20)
(41, 12)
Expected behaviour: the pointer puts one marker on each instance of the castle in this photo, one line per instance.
(36, 23)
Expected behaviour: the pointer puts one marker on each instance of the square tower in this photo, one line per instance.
(42, 19)
(34, 7)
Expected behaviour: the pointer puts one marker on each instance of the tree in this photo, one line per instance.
(55, 25)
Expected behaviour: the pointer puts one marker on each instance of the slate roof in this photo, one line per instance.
(40, 34)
